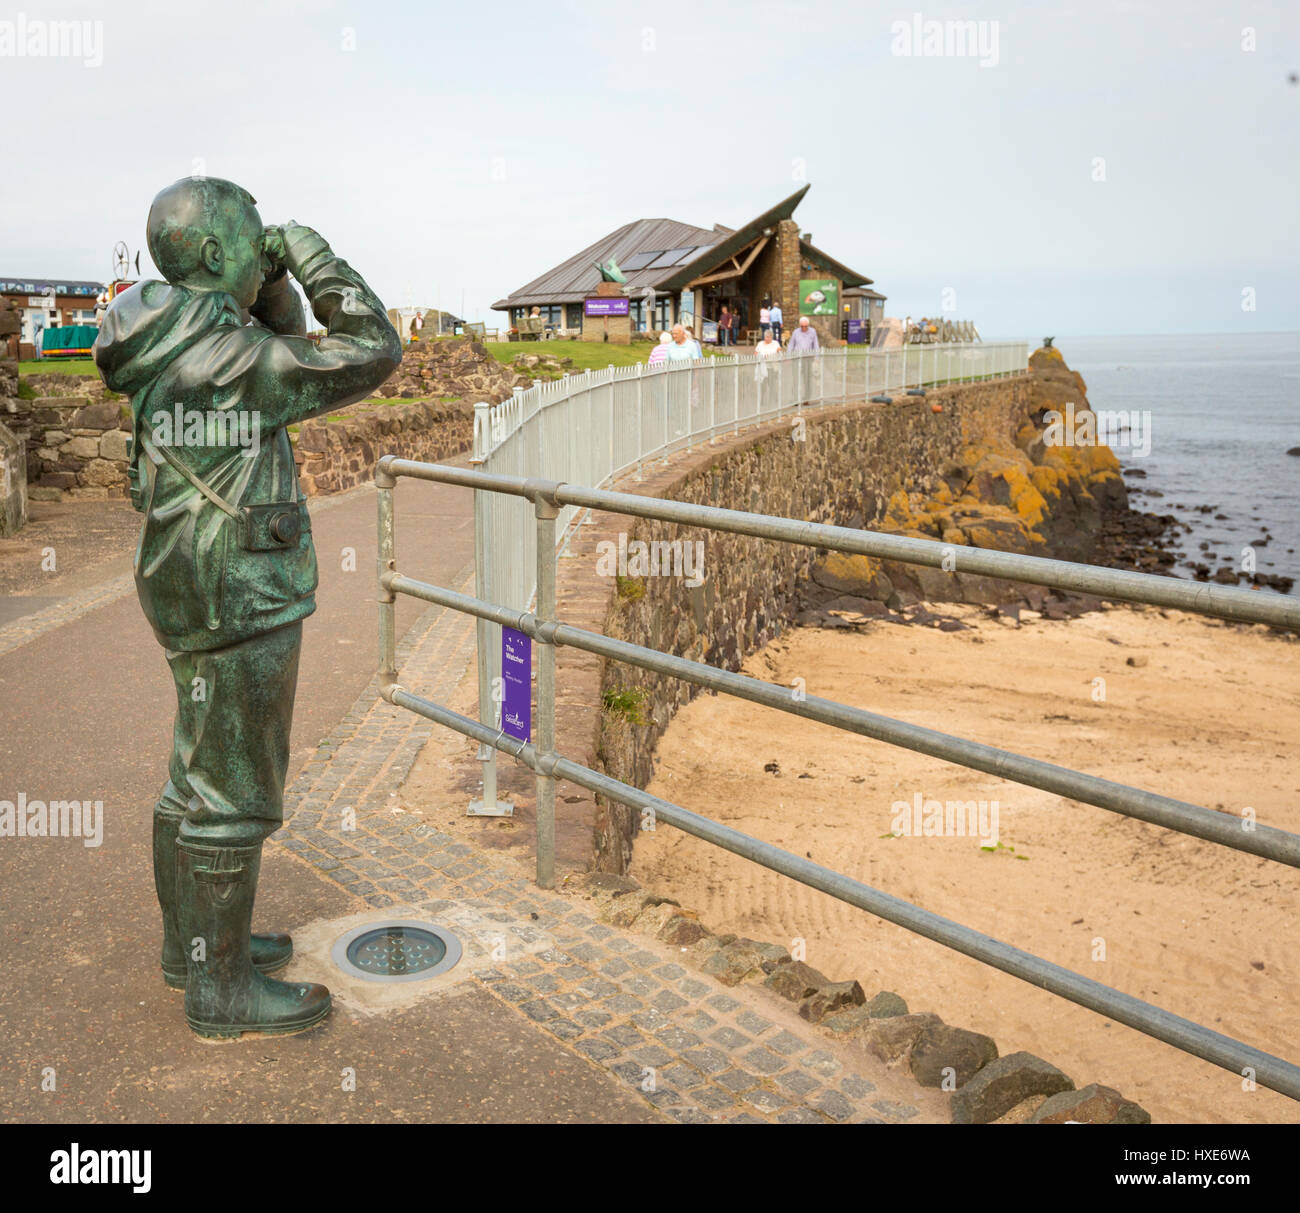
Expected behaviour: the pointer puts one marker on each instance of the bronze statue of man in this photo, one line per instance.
(216, 364)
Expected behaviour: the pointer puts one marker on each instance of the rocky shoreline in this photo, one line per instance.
(1070, 502)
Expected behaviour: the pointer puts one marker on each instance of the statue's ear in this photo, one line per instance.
(211, 255)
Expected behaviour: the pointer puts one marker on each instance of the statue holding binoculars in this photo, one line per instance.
(216, 363)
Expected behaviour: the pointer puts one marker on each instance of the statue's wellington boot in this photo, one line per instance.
(269, 952)
(225, 994)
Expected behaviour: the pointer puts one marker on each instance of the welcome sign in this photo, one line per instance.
(606, 305)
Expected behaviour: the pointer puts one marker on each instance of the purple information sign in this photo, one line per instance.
(516, 680)
(606, 305)
(857, 332)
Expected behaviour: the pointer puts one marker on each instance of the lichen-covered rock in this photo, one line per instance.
(891, 1039)
(744, 958)
(796, 981)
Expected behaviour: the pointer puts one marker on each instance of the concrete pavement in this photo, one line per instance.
(551, 1016)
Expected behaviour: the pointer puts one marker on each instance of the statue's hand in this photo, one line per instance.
(273, 250)
(300, 245)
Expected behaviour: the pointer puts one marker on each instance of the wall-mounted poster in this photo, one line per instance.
(819, 297)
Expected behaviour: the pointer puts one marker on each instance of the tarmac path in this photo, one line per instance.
(550, 1017)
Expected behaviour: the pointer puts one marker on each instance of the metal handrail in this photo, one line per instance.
(595, 427)
(548, 497)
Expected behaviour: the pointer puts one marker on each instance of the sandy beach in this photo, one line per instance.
(1199, 710)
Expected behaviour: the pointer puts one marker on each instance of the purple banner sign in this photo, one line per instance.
(857, 332)
(517, 685)
(606, 305)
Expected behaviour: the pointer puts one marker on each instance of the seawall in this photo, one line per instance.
(966, 464)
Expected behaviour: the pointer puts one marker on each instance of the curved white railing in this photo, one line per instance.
(597, 427)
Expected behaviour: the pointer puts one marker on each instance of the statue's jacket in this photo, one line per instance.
(181, 354)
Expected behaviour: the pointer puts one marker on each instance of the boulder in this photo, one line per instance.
(886, 1005)
(1092, 1105)
(891, 1039)
(855, 1020)
(1002, 1084)
(682, 930)
(942, 1052)
(735, 962)
(831, 997)
(860, 576)
(796, 981)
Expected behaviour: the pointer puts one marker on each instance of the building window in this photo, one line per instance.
(573, 316)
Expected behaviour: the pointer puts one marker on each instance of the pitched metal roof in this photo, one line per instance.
(573, 280)
(707, 260)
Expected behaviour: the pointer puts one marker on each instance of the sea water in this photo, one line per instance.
(1224, 411)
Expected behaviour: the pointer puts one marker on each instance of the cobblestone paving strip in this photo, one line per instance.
(686, 1044)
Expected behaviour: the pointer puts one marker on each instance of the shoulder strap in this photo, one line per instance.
(220, 502)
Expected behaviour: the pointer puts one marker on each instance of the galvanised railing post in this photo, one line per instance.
(387, 563)
(487, 805)
(546, 511)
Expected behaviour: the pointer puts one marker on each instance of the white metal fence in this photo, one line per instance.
(595, 428)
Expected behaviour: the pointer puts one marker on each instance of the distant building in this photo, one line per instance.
(677, 272)
(59, 300)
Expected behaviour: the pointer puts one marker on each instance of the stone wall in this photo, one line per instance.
(13, 461)
(76, 445)
(337, 455)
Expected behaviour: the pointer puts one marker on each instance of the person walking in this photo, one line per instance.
(767, 348)
(764, 317)
(683, 348)
(776, 318)
(804, 337)
(660, 352)
(725, 321)
(804, 344)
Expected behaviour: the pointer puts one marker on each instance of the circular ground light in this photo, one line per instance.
(399, 950)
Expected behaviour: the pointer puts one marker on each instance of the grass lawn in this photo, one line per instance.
(58, 366)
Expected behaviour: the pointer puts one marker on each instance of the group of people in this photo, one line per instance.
(677, 345)
(771, 322)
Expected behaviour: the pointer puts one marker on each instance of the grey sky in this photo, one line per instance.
(467, 148)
